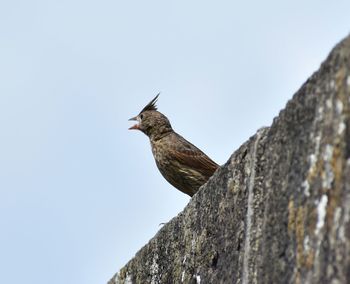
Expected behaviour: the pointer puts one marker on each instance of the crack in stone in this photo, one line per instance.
(251, 182)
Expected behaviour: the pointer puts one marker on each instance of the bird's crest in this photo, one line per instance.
(151, 105)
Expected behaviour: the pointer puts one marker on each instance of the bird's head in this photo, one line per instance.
(151, 122)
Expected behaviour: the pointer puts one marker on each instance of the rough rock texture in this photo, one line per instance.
(279, 210)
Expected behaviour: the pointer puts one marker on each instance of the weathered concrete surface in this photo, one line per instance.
(279, 210)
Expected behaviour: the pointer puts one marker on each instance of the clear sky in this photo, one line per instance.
(79, 193)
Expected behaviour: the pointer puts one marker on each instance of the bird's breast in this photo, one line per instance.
(159, 151)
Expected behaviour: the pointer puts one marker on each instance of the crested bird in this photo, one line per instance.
(181, 163)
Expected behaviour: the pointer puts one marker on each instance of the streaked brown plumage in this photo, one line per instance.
(181, 163)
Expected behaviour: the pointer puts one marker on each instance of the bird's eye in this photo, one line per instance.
(141, 116)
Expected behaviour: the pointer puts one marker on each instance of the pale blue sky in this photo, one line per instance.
(79, 193)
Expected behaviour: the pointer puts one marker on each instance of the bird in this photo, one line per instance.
(181, 163)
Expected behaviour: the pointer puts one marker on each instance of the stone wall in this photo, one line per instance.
(278, 211)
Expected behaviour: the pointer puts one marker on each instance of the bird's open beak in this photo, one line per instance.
(136, 126)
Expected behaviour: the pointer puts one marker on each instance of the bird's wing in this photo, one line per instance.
(189, 155)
